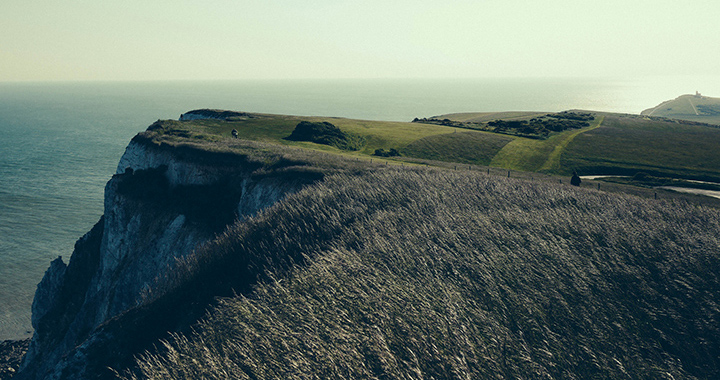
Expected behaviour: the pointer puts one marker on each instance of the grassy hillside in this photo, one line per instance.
(610, 144)
(463, 147)
(423, 273)
(535, 155)
(698, 108)
(626, 145)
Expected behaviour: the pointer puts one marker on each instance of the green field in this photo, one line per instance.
(625, 145)
(698, 108)
(537, 155)
(466, 147)
(612, 144)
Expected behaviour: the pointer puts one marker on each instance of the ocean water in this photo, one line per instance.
(60, 142)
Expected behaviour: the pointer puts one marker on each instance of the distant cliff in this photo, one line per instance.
(163, 202)
(699, 108)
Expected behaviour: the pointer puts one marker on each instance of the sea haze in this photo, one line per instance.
(61, 141)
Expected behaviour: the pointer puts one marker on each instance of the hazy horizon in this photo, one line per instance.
(78, 40)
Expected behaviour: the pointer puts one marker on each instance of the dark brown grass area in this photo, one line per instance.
(433, 274)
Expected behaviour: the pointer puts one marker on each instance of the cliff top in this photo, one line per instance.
(589, 143)
(688, 107)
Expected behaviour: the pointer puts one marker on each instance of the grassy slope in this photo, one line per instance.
(628, 145)
(433, 274)
(465, 147)
(685, 107)
(534, 155)
(274, 128)
(624, 143)
(552, 164)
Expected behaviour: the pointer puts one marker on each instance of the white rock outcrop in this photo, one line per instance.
(130, 251)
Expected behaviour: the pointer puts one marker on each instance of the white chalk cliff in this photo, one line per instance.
(150, 219)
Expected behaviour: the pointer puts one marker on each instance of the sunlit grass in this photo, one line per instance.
(631, 145)
(422, 273)
(621, 144)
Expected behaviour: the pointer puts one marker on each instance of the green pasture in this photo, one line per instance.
(612, 144)
(702, 109)
(538, 155)
(477, 148)
(275, 128)
(626, 145)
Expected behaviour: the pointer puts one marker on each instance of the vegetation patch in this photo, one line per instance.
(463, 147)
(536, 127)
(386, 153)
(626, 145)
(326, 133)
(424, 273)
(709, 109)
(623, 145)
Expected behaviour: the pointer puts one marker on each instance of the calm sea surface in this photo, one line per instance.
(60, 142)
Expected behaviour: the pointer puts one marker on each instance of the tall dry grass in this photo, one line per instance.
(421, 274)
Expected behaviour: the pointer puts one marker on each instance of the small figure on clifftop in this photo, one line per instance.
(234, 133)
(575, 179)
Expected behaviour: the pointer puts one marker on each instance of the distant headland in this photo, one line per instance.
(695, 107)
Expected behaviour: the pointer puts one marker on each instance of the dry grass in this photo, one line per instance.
(421, 273)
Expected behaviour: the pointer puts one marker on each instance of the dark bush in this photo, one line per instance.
(384, 153)
(327, 134)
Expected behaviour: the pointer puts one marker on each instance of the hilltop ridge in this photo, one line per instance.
(696, 107)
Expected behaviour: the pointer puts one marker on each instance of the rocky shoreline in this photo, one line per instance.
(11, 354)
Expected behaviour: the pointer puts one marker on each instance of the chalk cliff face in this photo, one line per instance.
(159, 206)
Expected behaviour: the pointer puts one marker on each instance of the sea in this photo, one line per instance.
(60, 141)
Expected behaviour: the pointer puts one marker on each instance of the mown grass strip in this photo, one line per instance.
(533, 155)
(553, 162)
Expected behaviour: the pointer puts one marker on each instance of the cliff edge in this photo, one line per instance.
(221, 258)
(698, 108)
(169, 196)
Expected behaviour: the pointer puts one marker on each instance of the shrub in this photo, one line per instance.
(383, 153)
(327, 134)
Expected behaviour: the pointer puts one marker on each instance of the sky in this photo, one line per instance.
(71, 40)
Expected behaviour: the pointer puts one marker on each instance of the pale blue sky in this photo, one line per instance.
(224, 39)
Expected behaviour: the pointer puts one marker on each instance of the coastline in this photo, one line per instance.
(11, 354)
